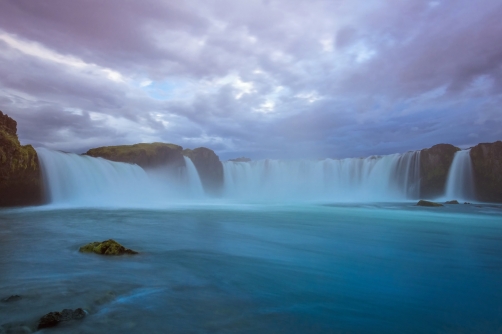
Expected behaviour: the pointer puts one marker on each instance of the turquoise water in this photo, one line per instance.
(306, 268)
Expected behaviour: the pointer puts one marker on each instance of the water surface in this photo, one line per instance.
(305, 268)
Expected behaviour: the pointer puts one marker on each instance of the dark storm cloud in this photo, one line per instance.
(262, 78)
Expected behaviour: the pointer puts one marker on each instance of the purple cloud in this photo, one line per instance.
(262, 78)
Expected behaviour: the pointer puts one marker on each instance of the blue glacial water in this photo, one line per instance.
(366, 268)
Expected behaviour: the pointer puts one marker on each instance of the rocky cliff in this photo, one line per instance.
(435, 163)
(487, 165)
(154, 155)
(210, 168)
(145, 155)
(20, 177)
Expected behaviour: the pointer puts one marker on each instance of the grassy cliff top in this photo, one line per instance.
(147, 148)
(144, 154)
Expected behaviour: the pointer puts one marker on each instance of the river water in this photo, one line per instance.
(232, 268)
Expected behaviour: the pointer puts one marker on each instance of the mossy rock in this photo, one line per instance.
(428, 203)
(20, 176)
(107, 247)
(452, 202)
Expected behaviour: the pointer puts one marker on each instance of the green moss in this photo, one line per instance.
(428, 203)
(144, 155)
(21, 157)
(107, 247)
(20, 179)
(89, 248)
(149, 149)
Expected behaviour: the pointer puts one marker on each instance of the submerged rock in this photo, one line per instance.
(51, 319)
(107, 247)
(12, 298)
(451, 202)
(428, 203)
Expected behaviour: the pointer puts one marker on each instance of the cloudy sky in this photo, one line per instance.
(260, 78)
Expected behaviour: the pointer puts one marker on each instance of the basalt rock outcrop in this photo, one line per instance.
(487, 166)
(20, 177)
(144, 155)
(428, 203)
(153, 155)
(209, 167)
(435, 163)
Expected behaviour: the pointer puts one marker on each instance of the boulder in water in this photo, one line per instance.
(428, 203)
(451, 202)
(51, 319)
(107, 247)
(12, 298)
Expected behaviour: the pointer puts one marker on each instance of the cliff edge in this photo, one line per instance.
(435, 163)
(20, 177)
(144, 155)
(487, 165)
(209, 167)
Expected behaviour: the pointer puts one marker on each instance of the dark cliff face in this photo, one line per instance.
(487, 165)
(435, 163)
(20, 177)
(147, 156)
(209, 167)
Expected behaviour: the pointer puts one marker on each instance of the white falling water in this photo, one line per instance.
(388, 178)
(460, 182)
(71, 179)
(78, 181)
(74, 180)
(193, 179)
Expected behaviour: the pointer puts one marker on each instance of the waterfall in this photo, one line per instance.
(387, 178)
(74, 180)
(193, 178)
(460, 182)
(71, 179)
